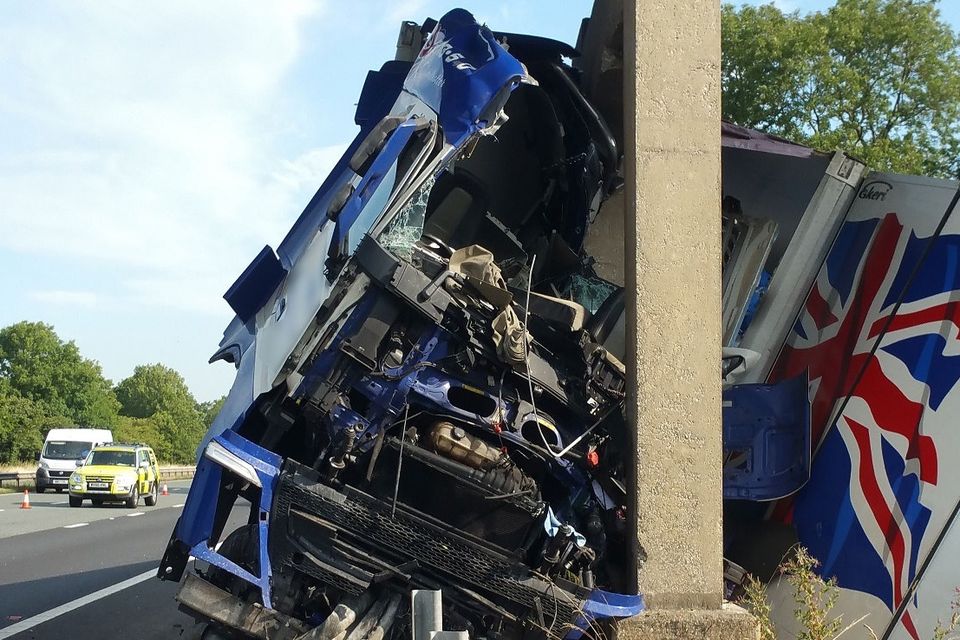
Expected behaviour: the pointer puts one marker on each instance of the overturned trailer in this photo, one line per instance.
(430, 385)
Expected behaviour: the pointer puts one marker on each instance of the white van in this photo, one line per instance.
(63, 451)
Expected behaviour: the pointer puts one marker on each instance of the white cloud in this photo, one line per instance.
(66, 298)
(142, 140)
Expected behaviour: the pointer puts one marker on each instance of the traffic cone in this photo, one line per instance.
(25, 503)
(164, 491)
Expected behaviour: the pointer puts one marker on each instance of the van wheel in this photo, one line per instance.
(134, 499)
(41, 489)
(151, 500)
(76, 501)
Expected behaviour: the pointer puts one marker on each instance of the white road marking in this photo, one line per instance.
(132, 515)
(74, 526)
(64, 502)
(176, 506)
(56, 612)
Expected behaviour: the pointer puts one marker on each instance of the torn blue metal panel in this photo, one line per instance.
(766, 439)
(464, 75)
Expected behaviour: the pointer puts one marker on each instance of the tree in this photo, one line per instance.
(21, 425)
(210, 409)
(162, 408)
(879, 79)
(51, 373)
(153, 388)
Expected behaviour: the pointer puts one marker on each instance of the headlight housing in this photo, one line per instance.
(76, 478)
(44, 465)
(219, 454)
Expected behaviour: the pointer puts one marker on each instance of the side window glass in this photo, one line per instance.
(387, 163)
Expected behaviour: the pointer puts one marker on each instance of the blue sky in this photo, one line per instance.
(149, 150)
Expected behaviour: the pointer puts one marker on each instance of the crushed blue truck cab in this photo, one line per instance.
(425, 398)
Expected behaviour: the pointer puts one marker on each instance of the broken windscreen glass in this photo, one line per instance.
(407, 226)
(591, 292)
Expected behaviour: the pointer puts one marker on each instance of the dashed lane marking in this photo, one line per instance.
(176, 506)
(56, 612)
(133, 515)
(74, 526)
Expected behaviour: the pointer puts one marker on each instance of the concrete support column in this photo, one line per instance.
(671, 61)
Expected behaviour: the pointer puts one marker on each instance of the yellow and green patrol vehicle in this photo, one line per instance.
(117, 472)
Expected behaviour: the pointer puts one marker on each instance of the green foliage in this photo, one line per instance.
(948, 630)
(23, 424)
(879, 79)
(210, 410)
(162, 412)
(153, 388)
(755, 601)
(41, 367)
(45, 383)
(814, 600)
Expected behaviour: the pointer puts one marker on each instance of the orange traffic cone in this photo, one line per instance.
(164, 491)
(25, 503)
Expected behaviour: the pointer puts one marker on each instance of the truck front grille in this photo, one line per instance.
(366, 523)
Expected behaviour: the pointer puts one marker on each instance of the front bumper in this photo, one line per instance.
(103, 494)
(52, 479)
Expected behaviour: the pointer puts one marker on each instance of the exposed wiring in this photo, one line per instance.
(583, 435)
(396, 485)
(526, 357)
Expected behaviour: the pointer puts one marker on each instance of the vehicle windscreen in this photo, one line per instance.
(66, 450)
(122, 458)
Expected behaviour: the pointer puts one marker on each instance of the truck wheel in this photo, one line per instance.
(134, 499)
(240, 547)
(151, 500)
(76, 501)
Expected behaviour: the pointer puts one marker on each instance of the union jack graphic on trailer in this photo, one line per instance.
(878, 336)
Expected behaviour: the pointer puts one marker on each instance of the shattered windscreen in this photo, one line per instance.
(404, 231)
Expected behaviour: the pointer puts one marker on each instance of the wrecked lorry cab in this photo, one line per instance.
(429, 371)
(421, 401)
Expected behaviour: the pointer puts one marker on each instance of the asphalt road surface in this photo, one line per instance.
(88, 572)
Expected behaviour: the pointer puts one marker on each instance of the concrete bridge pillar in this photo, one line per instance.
(671, 142)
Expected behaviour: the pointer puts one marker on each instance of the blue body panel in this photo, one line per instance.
(766, 439)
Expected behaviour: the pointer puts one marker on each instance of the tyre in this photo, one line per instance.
(151, 499)
(76, 501)
(240, 547)
(41, 489)
(134, 498)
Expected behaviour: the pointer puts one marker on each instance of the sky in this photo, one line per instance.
(149, 150)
